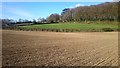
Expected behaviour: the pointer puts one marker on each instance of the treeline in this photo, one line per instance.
(102, 12)
(13, 23)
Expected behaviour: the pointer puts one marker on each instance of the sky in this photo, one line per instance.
(58, 0)
(35, 10)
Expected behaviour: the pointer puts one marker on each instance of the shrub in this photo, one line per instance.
(66, 30)
(107, 29)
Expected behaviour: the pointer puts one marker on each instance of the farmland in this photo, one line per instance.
(75, 27)
(32, 48)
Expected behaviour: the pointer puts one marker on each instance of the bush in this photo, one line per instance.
(60, 30)
(107, 29)
(67, 30)
(78, 30)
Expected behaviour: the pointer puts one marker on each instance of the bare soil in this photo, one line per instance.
(33, 48)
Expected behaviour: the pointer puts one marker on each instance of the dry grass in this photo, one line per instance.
(22, 48)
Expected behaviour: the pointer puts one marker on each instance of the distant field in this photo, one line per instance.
(74, 26)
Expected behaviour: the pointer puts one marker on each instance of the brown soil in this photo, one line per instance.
(32, 48)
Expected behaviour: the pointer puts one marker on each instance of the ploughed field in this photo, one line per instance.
(34, 48)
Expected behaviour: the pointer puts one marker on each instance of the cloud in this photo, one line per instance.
(116, 0)
(78, 5)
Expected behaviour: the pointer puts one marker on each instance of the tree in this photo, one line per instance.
(65, 10)
(53, 18)
(21, 20)
(101, 12)
(34, 21)
(8, 23)
(41, 20)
